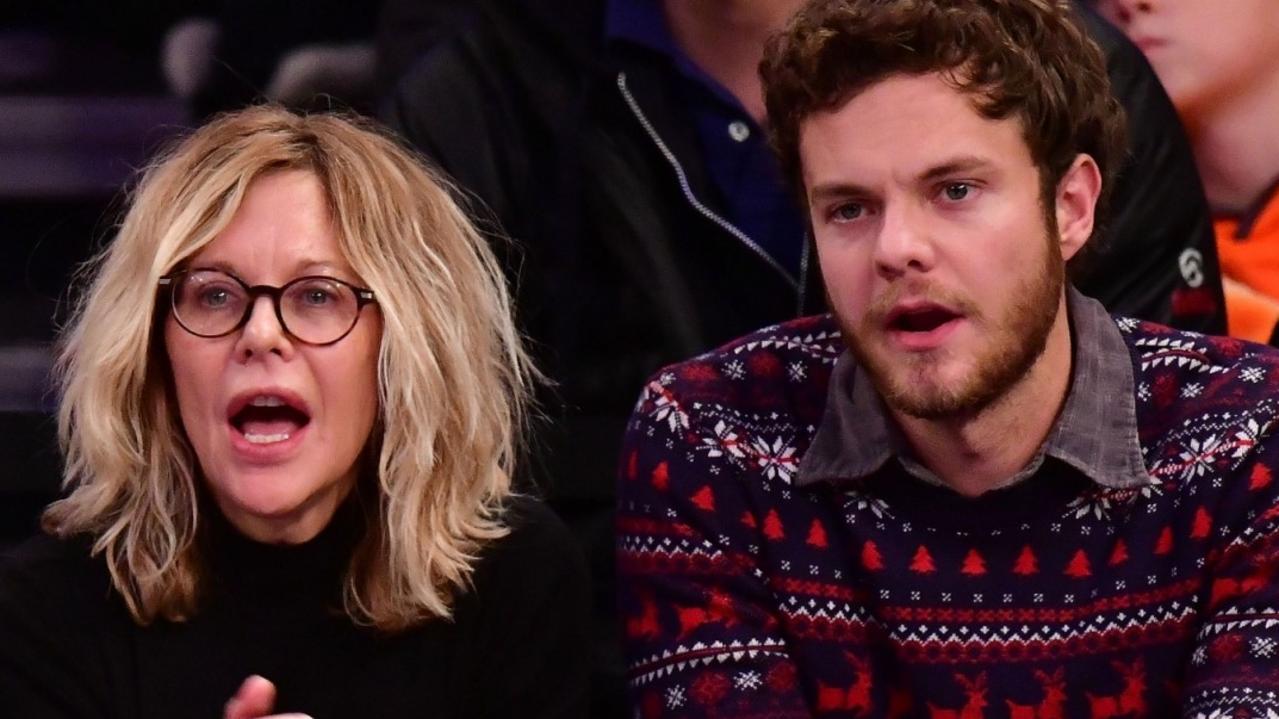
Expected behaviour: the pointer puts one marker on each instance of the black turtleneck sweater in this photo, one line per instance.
(517, 645)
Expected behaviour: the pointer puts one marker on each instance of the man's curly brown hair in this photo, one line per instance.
(1024, 58)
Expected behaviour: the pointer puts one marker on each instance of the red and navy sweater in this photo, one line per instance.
(745, 595)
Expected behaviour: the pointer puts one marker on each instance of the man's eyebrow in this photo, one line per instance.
(835, 190)
(956, 166)
(960, 165)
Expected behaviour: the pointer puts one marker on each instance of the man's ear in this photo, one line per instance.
(1076, 204)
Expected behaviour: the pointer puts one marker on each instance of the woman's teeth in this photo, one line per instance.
(266, 438)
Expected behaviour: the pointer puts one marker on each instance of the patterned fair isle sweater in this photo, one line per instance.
(745, 596)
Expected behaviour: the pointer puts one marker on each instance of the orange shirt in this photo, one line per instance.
(1248, 249)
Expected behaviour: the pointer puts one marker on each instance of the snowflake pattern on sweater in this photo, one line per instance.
(744, 595)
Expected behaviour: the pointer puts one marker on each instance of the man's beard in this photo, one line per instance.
(910, 384)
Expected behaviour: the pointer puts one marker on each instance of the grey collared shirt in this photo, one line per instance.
(1096, 432)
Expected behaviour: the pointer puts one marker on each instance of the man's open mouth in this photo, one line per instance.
(922, 319)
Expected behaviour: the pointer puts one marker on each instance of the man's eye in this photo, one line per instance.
(957, 191)
(847, 212)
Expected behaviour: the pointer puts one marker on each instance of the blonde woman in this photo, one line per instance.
(291, 400)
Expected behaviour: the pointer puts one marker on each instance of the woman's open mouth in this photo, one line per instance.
(267, 418)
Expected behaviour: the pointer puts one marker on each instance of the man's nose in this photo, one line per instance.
(1123, 11)
(904, 243)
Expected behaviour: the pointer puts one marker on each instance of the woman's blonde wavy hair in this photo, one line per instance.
(453, 377)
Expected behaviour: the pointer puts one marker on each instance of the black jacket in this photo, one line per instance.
(1156, 257)
(622, 262)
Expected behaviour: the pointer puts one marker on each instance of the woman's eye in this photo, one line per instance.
(957, 191)
(317, 297)
(214, 297)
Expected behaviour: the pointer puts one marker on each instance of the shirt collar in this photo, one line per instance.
(1261, 216)
(1096, 432)
(642, 23)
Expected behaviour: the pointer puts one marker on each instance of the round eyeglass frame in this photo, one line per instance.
(169, 283)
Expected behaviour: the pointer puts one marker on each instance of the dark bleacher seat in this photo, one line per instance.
(29, 457)
(78, 116)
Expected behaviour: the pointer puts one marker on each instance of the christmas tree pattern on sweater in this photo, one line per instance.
(746, 596)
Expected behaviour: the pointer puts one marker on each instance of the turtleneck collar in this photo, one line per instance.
(243, 566)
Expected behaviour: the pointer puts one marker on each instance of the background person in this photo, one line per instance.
(1220, 63)
(291, 401)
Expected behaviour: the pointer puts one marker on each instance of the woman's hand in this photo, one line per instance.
(254, 700)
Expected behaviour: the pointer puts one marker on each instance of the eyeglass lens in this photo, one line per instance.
(314, 309)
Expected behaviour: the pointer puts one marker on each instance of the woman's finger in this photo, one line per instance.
(254, 699)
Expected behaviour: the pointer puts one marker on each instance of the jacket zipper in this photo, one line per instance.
(803, 272)
(697, 204)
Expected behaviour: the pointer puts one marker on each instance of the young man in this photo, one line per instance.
(1220, 63)
(969, 492)
(622, 145)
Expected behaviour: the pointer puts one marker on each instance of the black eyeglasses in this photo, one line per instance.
(314, 309)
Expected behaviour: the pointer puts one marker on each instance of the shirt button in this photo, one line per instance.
(739, 130)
